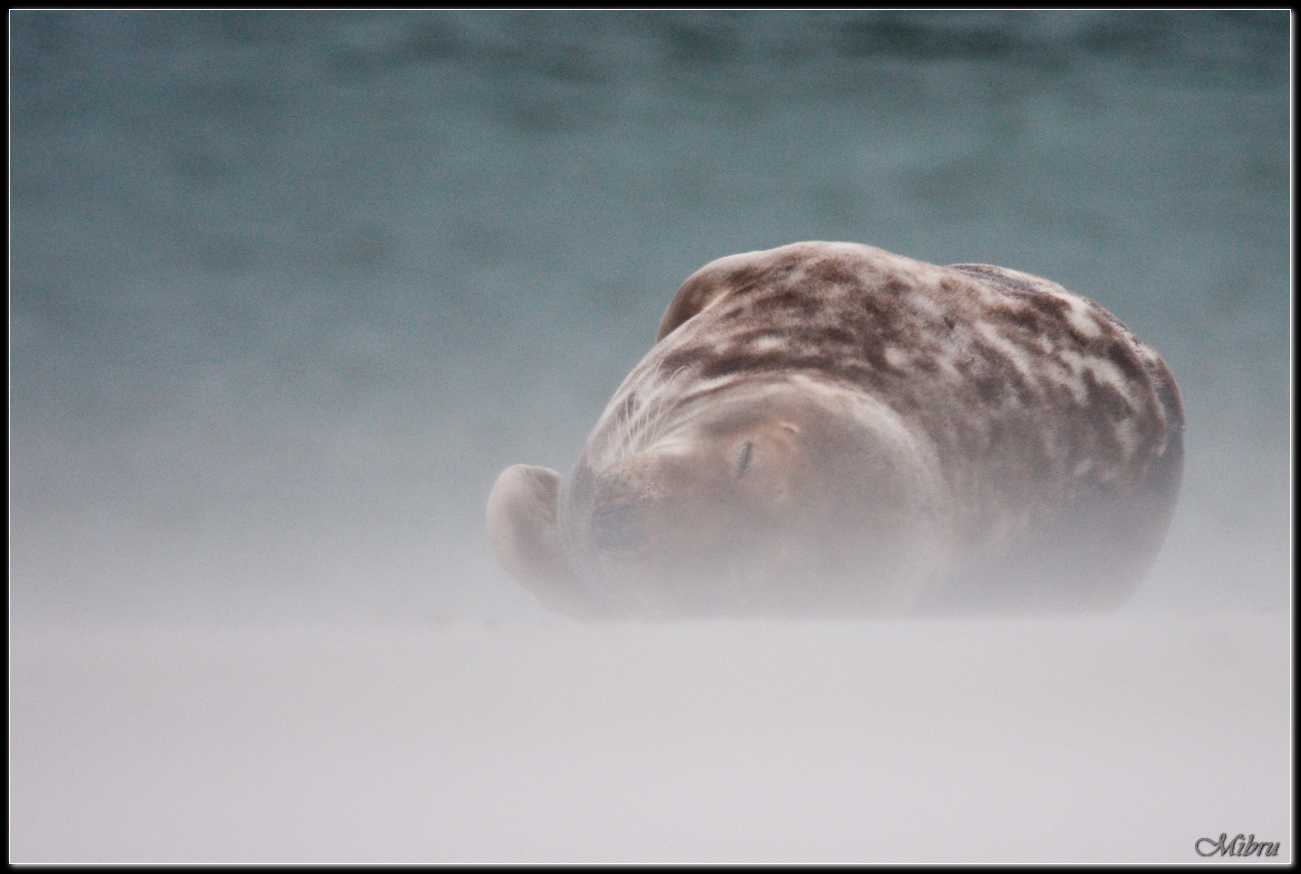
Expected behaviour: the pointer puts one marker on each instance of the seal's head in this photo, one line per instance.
(746, 501)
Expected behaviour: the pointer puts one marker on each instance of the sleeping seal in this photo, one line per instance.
(828, 429)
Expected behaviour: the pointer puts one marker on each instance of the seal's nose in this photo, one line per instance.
(617, 524)
(621, 505)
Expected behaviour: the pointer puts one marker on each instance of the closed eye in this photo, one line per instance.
(743, 463)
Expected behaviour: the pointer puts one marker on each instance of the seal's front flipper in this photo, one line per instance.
(522, 523)
(522, 512)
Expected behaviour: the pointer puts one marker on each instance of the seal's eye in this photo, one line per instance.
(743, 463)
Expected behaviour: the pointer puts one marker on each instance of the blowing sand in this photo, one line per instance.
(1076, 740)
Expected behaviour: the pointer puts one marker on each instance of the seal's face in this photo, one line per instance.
(748, 503)
(708, 509)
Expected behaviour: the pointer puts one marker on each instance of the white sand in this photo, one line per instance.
(1082, 740)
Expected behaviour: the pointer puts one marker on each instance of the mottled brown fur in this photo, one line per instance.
(1038, 467)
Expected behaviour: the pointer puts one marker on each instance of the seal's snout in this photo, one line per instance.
(618, 525)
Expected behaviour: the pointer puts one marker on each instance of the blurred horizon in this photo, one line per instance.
(289, 290)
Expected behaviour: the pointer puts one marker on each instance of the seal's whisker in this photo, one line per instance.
(657, 417)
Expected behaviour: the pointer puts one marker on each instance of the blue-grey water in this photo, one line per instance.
(289, 290)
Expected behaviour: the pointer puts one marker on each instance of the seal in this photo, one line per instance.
(829, 429)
